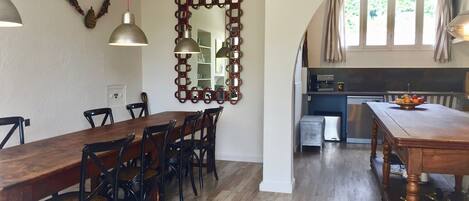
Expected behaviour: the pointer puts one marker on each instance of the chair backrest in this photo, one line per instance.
(144, 98)
(190, 126)
(155, 138)
(136, 106)
(210, 120)
(16, 123)
(447, 99)
(101, 111)
(108, 186)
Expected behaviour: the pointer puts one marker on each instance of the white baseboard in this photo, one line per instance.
(240, 158)
(277, 186)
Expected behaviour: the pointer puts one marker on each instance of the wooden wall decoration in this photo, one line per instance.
(90, 17)
(234, 68)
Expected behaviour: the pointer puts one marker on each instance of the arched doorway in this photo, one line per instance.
(285, 23)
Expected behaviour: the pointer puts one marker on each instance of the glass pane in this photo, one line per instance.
(376, 33)
(429, 22)
(404, 29)
(352, 22)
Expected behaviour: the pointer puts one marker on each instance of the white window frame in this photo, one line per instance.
(419, 17)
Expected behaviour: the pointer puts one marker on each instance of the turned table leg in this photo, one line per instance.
(412, 187)
(374, 140)
(458, 183)
(386, 163)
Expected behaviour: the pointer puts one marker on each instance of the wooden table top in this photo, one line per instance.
(26, 163)
(429, 126)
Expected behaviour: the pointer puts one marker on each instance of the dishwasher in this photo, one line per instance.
(359, 118)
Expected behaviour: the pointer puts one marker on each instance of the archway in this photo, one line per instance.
(285, 23)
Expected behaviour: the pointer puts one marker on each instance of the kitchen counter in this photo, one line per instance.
(381, 93)
(348, 93)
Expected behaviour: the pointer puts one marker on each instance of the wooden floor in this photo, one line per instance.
(340, 172)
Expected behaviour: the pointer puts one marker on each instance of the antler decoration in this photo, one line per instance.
(90, 17)
(75, 4)
(104, 8)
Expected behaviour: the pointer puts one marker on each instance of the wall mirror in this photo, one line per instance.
(213, 75)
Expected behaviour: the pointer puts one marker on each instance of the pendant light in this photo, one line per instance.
(128, 33)
(459, 27)
(225, 50)
(9, 15)
(187, 45)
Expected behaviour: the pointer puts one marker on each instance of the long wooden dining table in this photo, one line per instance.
(430, 139)
(38, 169)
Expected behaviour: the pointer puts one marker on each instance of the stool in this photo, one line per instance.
(312, 131)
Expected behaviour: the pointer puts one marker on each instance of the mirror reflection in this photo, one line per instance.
(208, 69)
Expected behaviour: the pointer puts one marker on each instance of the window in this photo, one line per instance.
(429, 20)
(352, 22)
(404, 26)
(389, 23)
(377, 22)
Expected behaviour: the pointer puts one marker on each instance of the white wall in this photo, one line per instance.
(240, 127)
(285, 24)
(377, 58)
(298, 94)
(53, 68)
(315, 36)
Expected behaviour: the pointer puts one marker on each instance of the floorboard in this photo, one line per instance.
(339, 172)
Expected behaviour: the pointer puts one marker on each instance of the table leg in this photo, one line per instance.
(412, 187)
(458, 183)
(374, 140)
(386, 164)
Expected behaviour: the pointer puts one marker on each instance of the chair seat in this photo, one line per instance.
(74, 196)
(128, 174)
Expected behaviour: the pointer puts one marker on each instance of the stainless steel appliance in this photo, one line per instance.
(323, 82)
(359, 118)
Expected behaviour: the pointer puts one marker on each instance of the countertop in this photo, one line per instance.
(380, 93)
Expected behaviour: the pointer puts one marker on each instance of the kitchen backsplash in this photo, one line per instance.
(396, 79)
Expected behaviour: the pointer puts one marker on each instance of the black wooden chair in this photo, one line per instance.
(207, 141)
(108, 188)
(107, 112)
(16, 123)
(185, 151)
(137, 106)
(153, 170)
(144, 98)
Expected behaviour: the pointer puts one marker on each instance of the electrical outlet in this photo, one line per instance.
(27, 122)
(116, 95)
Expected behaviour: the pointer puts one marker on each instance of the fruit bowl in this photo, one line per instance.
(408, 106)
(407, 102)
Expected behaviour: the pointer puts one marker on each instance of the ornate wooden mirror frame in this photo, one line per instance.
(234, 68)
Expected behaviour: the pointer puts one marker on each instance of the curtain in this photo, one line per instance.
(444, 15)
(334, 40)
(305, 61)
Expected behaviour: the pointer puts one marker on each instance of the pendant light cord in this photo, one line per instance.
(128, 5)
(188, 15)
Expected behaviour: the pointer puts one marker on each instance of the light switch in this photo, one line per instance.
(116, 95)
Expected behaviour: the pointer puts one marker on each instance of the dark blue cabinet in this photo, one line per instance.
(330, 105)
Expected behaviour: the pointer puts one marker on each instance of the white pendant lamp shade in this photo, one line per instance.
(459, 27)
(187, 45)
(128, 34)
(9, 15)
